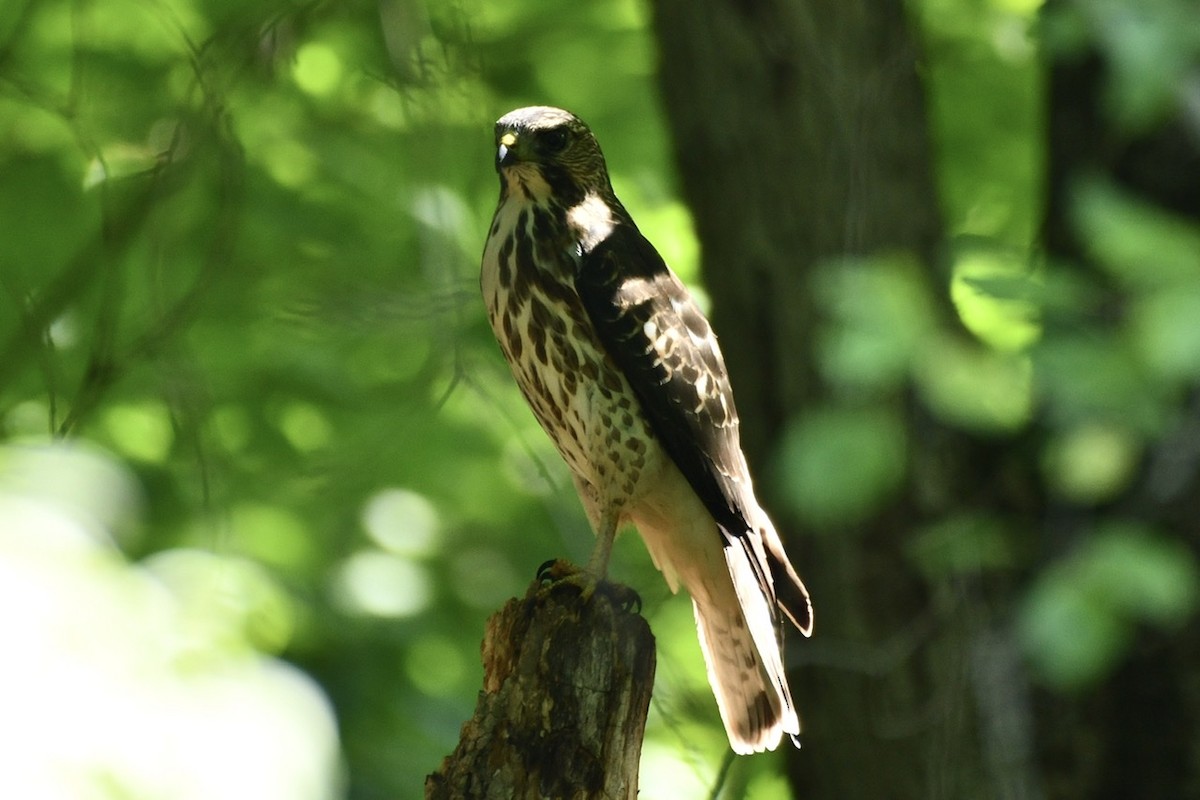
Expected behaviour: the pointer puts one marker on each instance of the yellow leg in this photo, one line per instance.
(606, 532)
(592, 577)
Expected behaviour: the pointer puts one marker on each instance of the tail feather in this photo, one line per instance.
(745, 665)
(790, 592)
(741, 586)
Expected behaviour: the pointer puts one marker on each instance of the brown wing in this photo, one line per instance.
(653, 330)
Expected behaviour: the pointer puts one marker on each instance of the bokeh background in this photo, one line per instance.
(263, 473)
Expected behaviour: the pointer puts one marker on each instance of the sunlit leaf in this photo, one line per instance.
(402, 522)
(141, 431)
(136, 679)
(995, 297)
(1091, 463)
(274, 535)
(379, 584)
(229, 603)
(974, 387)
(318, 68)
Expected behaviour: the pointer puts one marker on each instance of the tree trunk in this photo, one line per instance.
(802, 139)
(801, 134)
(563, 709)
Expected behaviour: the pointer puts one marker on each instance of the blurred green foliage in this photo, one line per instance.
(240, 254)
(241, 248)
(1082, 612)
(1094, 365)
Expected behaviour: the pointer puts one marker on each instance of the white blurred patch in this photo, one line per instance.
(99, 495)
(108, 688)
(377, 584)
(402, 522)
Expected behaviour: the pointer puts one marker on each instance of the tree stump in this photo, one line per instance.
(562, 712)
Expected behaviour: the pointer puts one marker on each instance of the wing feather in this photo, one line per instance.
(658, 337)
(655, 333)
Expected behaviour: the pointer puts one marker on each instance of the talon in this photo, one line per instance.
(626, 598)
(543, 574)
(558, 572)
(555, 570)
(633, 603)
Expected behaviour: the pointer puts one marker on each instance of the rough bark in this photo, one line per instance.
(563, 708)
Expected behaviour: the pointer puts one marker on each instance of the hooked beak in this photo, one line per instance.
(504, 153)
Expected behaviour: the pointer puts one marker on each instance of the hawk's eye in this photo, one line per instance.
(554, 140)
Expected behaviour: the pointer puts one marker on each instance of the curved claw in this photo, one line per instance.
(559, 572)
(555, 570)
(626, 598)
(543, 572)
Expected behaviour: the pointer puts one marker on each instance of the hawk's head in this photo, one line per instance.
(549, 152)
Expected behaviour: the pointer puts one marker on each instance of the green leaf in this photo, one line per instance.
(880, 313)
(1080, 613)
(974, 387)
(1096, 375)
(1091, 463)
(1070, 640)
(1139, 244)
(1166, 332)
(839, 464)
(1143, 575)
(995, 295)
(964, 543)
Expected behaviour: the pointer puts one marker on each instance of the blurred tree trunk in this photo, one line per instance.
(802, 139)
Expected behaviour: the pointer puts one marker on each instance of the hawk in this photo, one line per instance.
(623, 372)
